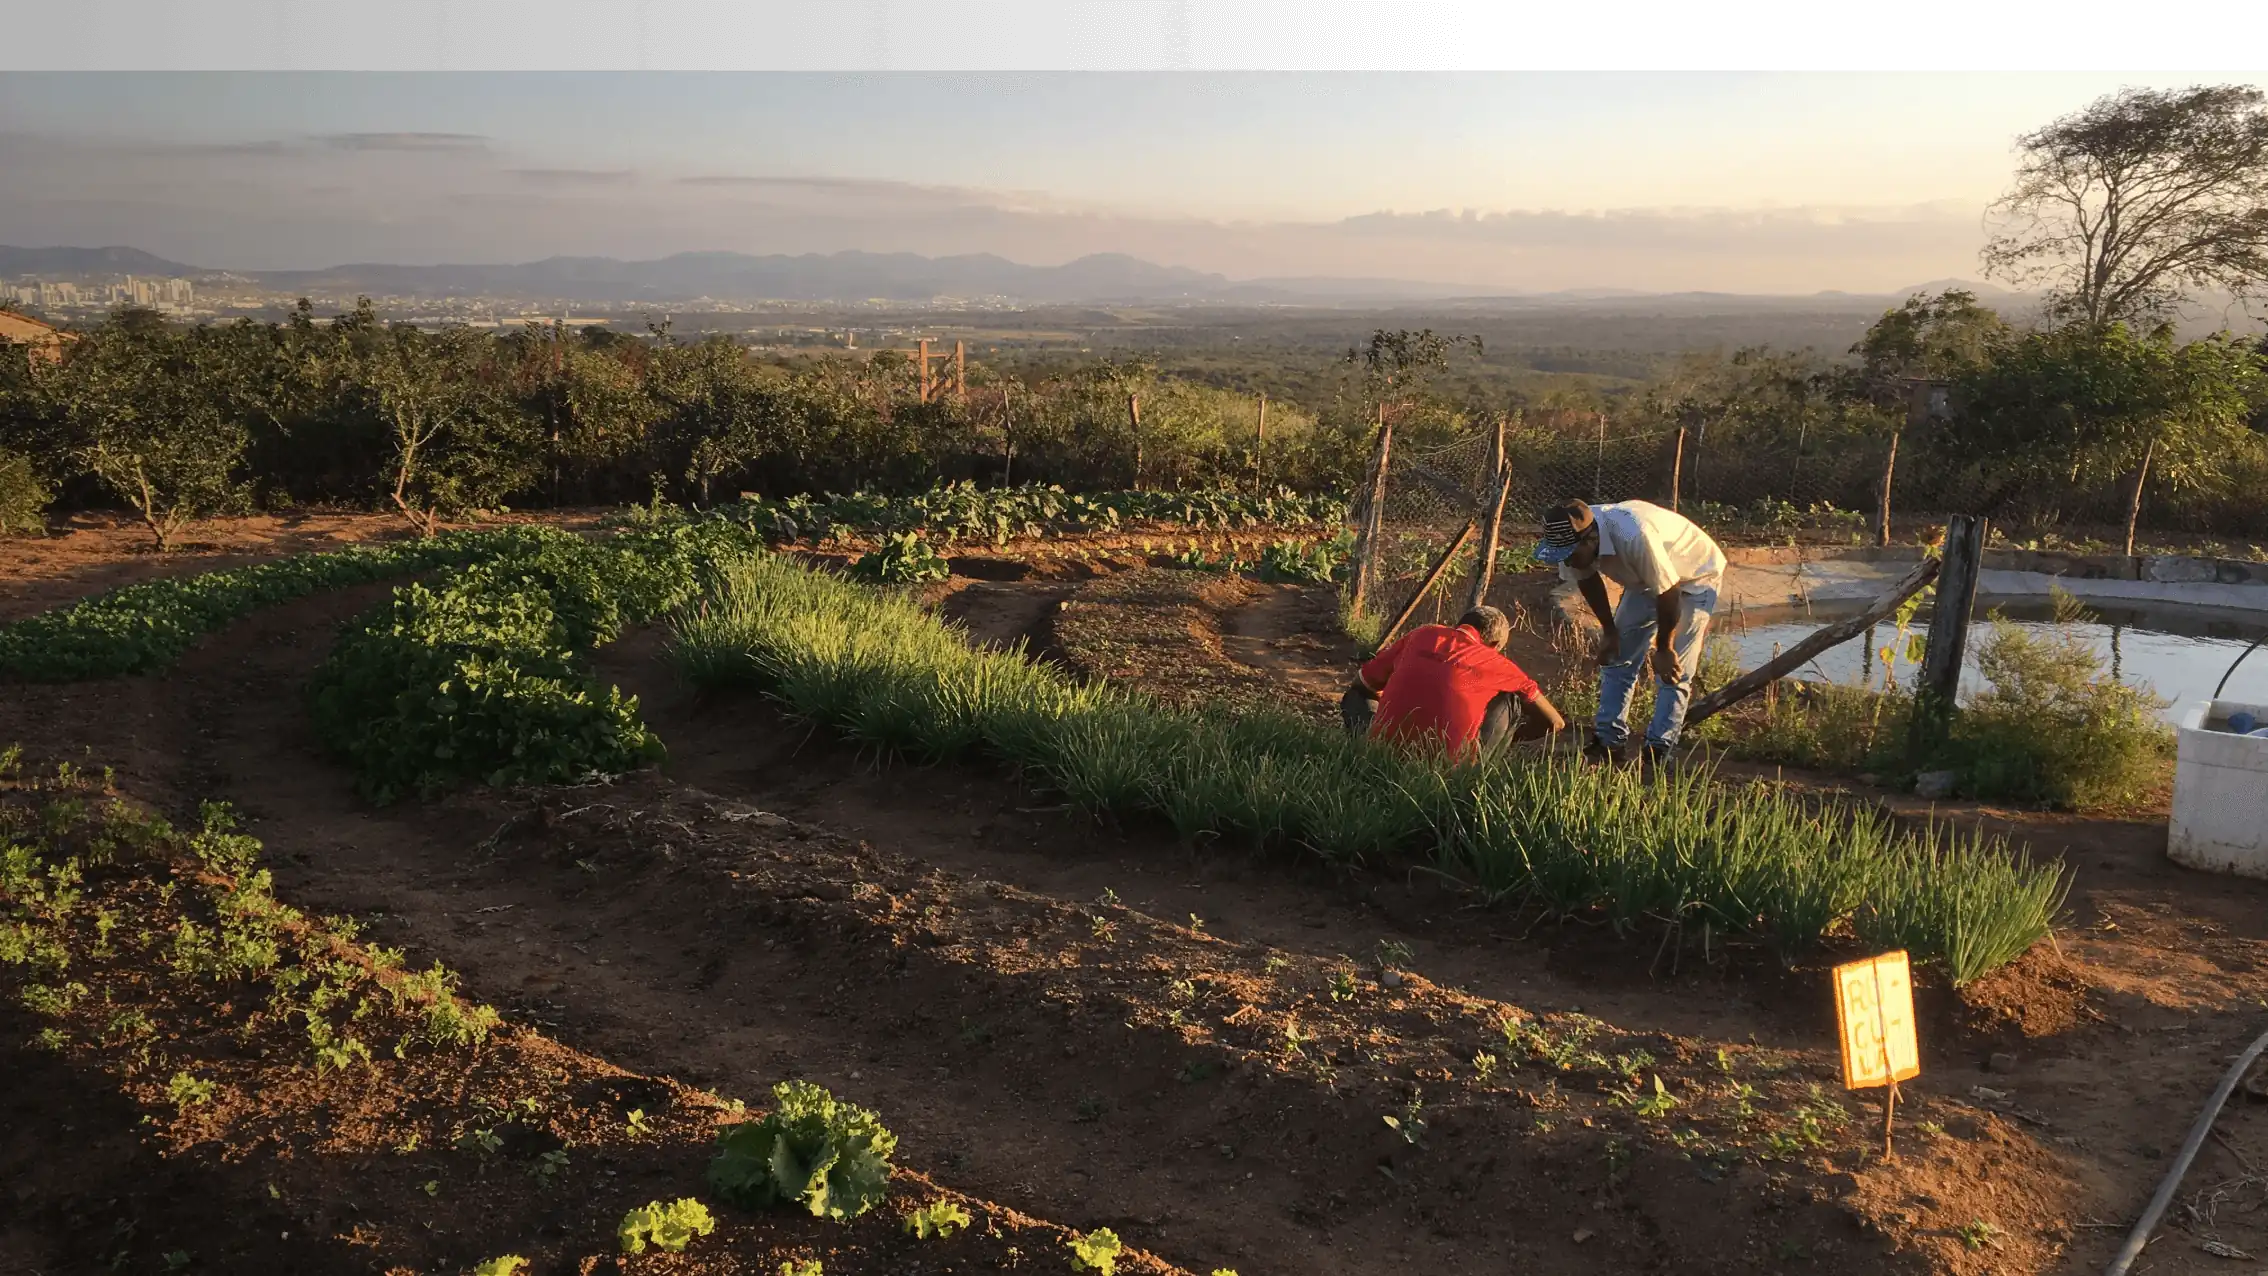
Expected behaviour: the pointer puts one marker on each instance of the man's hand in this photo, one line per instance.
(1610, 647)
(1665, 664)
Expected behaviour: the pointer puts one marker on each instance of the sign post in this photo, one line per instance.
(1874, 1014)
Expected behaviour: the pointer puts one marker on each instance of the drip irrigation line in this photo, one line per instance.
(2140, 1236)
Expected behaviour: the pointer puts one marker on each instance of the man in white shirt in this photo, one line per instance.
(1669, 571)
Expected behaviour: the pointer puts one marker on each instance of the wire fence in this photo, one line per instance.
(1747, 483)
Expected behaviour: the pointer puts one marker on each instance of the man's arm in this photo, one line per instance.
(1542, 718)
(1593, 590)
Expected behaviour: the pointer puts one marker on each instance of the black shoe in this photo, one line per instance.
(1597, 752)
(1659, 755)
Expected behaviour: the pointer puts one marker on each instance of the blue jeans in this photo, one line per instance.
(1634, 624)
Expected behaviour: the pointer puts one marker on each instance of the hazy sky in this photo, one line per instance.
(1738, 182)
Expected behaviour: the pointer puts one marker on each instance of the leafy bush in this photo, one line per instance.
(668, 1228)
(143, 628)
(1747, 859)
(810, 1149)
(904, 559)
(477, 677)
(2054, 726)
(23, 497)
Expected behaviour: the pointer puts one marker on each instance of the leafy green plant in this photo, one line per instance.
(501, 1265)
(145, 627)
(1305, 562)
(802, 1267)
(903, 559)
(667, 1227)
(1097, 1252)
(23, 496)
(188, 1091)
(811, 1149)
(938, 1218)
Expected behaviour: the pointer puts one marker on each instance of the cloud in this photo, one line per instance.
(575, 176)
(403, 141)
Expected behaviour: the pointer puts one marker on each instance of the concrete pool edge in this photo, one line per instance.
(1773, 577)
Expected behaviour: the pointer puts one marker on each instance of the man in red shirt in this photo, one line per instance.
(1453, 684)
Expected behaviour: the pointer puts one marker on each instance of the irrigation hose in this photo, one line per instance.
(2140, 1236)
(2256, 644)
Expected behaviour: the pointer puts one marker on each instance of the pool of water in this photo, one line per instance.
(2178, 652)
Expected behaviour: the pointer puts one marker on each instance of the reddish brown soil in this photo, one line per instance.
(926, 969)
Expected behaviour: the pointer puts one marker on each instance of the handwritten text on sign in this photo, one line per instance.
(1874, 1009)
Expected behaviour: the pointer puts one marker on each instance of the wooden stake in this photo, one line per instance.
(924, 347)
(1260, 447)
(1940, 680)
(1134, 417)
(1764, 675)
(960, 373)
(1492, 524)
(1425, 586)
(1889, 1110)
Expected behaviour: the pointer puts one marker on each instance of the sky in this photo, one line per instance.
(1758, 183)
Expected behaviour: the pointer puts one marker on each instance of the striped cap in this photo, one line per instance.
(1563, 528)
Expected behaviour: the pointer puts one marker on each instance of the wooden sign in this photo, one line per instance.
(1874, 1012)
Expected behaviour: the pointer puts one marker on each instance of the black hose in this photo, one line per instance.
(2256, 644)
(2140, 1236)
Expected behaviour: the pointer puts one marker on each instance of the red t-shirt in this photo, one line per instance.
(1437, 680)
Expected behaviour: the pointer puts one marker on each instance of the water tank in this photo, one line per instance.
(2220, 791)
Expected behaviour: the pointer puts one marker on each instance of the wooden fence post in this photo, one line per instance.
(1491, 520)
(960, 374)
(1676, 468)
(1940, 683)
(924, 356)
(1425, 586)
(1260, 450)
(1134, 417)
(1373, 524)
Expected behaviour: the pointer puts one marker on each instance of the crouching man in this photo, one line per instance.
(1452, 683)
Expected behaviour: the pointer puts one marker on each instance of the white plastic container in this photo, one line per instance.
(2220, 792)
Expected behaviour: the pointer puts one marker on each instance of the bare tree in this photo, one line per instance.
(2123, 207)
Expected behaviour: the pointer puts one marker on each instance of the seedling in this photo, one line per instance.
(801, 1267)
(187, 1091)
(1658, 1104)
(1182, 990)
(1096, 1252)
(1393, 954)
(1977, 1233)
(549, 1166)
(1409, 1125)
(636, 1121)
(1274, 963)
(1104, 928)
(938, 1218)
(1294, 1038)
(1342, 986)
(482, 1141)
(668, 1228)
(503, 1265)
(1484, 1066)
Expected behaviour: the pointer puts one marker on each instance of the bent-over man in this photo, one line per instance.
(1669, 570)
(1451, 683)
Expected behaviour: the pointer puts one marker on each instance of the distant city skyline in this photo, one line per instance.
(1759, 183)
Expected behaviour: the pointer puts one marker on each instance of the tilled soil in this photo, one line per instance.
(964, 971)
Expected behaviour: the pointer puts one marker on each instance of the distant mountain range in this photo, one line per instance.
(896, 277)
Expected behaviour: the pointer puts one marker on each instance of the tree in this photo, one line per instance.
(457, 442)
(2121, 208)
(1933, 337)
(146, 417)
(2087, 405)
